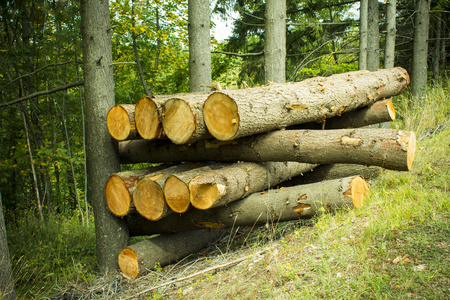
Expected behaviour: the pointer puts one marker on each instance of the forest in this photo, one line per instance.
(44, 83)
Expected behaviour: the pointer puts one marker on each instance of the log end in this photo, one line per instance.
(358, 191)
(221, 116)
(203, 195)
(118, 198)
(178, 120)
(391, 109)
(176, 193)
(118, 123)
(148, 199)
(146, 116)
(128, 262)
(411, 149)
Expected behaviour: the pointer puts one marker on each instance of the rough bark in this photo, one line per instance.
(121, 123)
(222, 186)
(148, 196)
(334, 171)
(162, 250)
(102, 159)
(379, 112)
(199, 45)
(176, 189)
(275, 41)
(437, 49)
(236, 113)
(389, 52)
(363, 29)
(147, 117)
(373, 36)
(182, 118)
(7, 291)
(387, 148)
(290, 203)
(420, 48)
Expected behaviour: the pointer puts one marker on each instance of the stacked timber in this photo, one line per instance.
(225, 152)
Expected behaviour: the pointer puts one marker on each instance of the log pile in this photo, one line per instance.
(226, 152)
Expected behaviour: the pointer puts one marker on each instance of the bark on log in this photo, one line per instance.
(176, 189)
(222, 186)
(334, 171)
(162, 250)
(148, 196)
(379, 112)
(147, 118)
(121, 123)
(120, 186)
(290, 203)
(387, 148)
(182, 118)
(236, 113)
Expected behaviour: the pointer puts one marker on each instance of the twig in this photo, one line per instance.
(199, 273)
(239, 54)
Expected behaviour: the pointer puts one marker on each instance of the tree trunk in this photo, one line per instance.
(387, 148)
(199, 45)
(176, 189)
(373, 37)
(121, 123)
(222, 186)
(287, 204)
(148, 197)
(120, 187)
(102, 159)
(363, 34)
(389, 52)
(334, 171)
(275, 41)
(236, 113)
(162, 250)
(7, 291)
(437, 49)
(420, 47)
(379, 112)
(147, 116)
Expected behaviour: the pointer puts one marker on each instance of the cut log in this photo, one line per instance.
(120, 187)
(334, 171)
(121, 123)
(222, 186)
(182, 118)
(176, 189)
(162, 250)
(232, 114)
(286, 204)
(148, 196)
(387, 148)
(147, 118)
(379, 112)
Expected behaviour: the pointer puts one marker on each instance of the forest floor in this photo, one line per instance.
(397, 246)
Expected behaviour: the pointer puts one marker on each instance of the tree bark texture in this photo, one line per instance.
(199, 45)
(387, 148)
(334, 171)
(389, 52)
(379, 112)
(420, 48)
(222, 186)
(275, 41)
(121, 123)
(236, 113)
(363, 34)
(373, 37)
(162, 250)
(176, 187)
(7, 291)
(102, 159)
(437, 49)
(273, 206)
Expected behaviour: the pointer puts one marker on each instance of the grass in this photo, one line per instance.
(396, 247)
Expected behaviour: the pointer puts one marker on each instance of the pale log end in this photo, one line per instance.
(178, 120)
(148, 199)
(221, 116)
(118, 198)
(128, 263)
(146, 116)
(176, 193)
(118, 123)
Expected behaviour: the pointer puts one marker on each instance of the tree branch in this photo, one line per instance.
(47, 92)
(239, 54)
